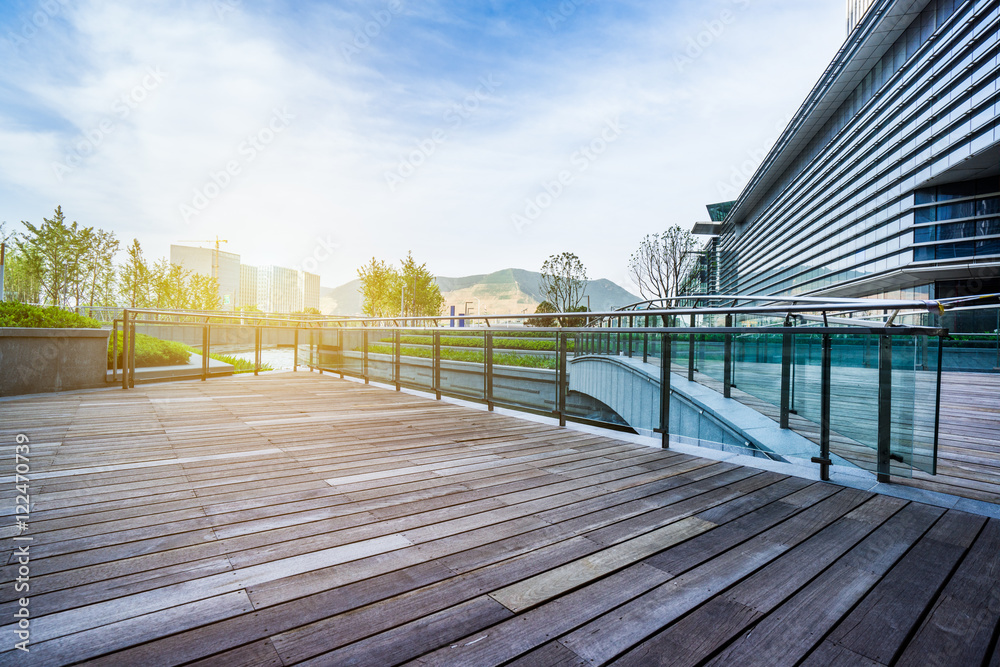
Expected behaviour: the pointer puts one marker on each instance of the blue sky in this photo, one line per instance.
(479, 135)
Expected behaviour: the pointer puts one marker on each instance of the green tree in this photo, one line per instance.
(543, 307)
(170, 285)
(49, 248)
(658, 266)
(99, 270)
(204, 292)
(564, 281)
(134, 278)
(379, 289)
(21, 281)
(420, 293)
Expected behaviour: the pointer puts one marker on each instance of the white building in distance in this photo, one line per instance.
(208, 261)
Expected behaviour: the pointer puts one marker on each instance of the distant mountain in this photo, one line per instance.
(502, 292)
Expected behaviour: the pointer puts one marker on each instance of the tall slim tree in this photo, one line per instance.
(50, 247)
(134, 278)
(379, 289)
(658, 266)
(564, 281)
(204, 292)
(419, 291)
(98, 268)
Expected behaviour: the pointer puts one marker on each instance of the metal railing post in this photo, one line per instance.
(727, 359)
(665, 391)
(436, 361)
(364, 354)
(256, 349)
(884, 407)
(645, 343)
(488, 374)
(295, 360)
(824, 410)
(397, 364)
(131, 354)
(114, 351)
(691, 350)
(125, 348)
(628, 336)
(937, 402)
(786, 376)
(561, 378)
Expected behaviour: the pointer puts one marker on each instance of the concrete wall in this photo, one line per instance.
(34, 361)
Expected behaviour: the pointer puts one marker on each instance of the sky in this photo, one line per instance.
(478, 135)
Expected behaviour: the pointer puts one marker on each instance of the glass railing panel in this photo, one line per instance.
(463, 363)
(854, 399)
(806, 374)
(524, 368)
(757, 365)
(353, 354)
(914, 399)
(326, 349)
(381, 351)
(416, 360)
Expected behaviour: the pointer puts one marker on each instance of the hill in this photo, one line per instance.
(501, 292)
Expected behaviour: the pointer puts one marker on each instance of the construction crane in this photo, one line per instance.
(215, 257)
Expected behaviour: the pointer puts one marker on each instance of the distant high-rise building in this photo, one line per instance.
(856, 10)
(205, 262)
(309, 288)
(248, 287)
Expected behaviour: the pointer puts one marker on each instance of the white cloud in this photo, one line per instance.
(324, 174)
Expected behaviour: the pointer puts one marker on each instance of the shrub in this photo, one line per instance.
(150, 351)
(474, 356)
(239, 365)
(14, 314)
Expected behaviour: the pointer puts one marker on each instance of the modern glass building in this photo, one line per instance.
(886, 183)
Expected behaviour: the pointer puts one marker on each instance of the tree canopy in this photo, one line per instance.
(410, 291)
(65, 264)
(658, 265)
(564, 282)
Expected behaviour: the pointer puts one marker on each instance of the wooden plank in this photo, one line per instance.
(613, 634)
(411, 639)
(543, 587)
(960, 627)
(529, 630)
(789, 632)
(882, 623)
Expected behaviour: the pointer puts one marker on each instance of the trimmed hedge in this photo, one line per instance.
(468, 341)
(474, 356)
(150, 351)
(14, 314)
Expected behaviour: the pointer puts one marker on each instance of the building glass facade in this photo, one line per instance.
(886, 181)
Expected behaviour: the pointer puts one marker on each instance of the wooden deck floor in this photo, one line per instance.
(299, 519)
